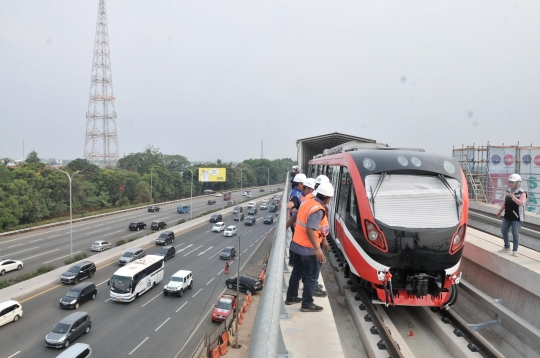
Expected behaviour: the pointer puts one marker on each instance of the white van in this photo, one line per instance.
(251, 205)
(10, 311)
(218, 227)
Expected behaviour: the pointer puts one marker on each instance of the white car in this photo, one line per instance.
(179, 282)
(230, 231)
(245, 193)
(218, 227)
(101, 245)
(251, 205)
(219, 194)
(249, 195)
(264, 206)
(10, 311)
(7, 265)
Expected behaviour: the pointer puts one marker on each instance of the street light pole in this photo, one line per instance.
(70, 208)
(236, 345)
(241, 175)
(151, 196)
(191, 198)
(268, 185)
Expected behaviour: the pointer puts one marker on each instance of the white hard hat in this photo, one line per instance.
(300, 178)
(326, 189)
(295, 167)
(515, 177)
(322, 179)
(310, 183)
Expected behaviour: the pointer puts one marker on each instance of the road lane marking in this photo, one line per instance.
(162, 324)
(102, 283)
(108, 299)
(250, 230)
(39, 294)
(9, 247)
(210, 281)
(244, 251)
(31, 257)
(46, 262)
(219, 273)
(93, 232)
(213, 255)
(250, 245)
(203, 252)
(185, 303)
(193, 250)
(152, 299)
(180, 244)
(35, 240)
(13, 253)
(140, 344)
(13, 355)
(257, 240)
(112, 233)
(200, 289)
(135, 233)
(184, 248)
(50, 237)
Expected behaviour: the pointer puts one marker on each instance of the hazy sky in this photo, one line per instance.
(211, 79)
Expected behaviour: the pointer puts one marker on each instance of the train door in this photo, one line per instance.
(334, 174)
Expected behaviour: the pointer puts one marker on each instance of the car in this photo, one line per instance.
(269, 219)
(167, 252)
(250, 221)
(230, 203)
(78, 350)
(153, 208)
(100, 245)
(226, 197)
(275, 202)
(227, 253)
(239, 217)
(244, 193)
(182, 209)
(272, 208)
(264, 206)
(166, 237)
(178, 283)
(238, 209)
(252, 211)
(69, 329)
(79, 294)
(219, 194)
(211, 202)
(218, 227)
(131, 255)
(248, 284)
(251, 204)
(158, 225)
(7, 265)
(10, 311)
(216, 218)
(230, 231)
(136, 225)
(276, 197)
(78, 272)
(226, 304)
(261, 190)
(249, 195)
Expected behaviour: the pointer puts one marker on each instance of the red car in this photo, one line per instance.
(226, 197)
(226, 304)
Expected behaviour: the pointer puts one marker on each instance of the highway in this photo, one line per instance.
(152, 324)
(52, 246)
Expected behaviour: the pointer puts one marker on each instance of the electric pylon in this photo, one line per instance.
(101, 115)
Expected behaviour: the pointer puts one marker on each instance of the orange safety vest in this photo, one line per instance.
(307, 208)
(324, 220)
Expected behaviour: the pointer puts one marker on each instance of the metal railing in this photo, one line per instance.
(267, 340)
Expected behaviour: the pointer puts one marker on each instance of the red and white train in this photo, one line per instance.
(399, 216)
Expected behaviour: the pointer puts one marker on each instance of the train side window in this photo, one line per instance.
(329, 172)
(352, 207)
(344, 191)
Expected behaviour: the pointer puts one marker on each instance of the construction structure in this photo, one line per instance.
(101, 144)
(487, 169)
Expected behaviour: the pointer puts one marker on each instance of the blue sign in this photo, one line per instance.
(495, 159)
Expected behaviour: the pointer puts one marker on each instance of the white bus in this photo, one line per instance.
(136, 278)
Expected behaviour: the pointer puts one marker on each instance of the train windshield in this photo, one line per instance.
(414, 201)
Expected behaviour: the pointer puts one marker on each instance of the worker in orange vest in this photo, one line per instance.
(308, 244)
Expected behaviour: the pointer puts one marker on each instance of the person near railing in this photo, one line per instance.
(514, 213)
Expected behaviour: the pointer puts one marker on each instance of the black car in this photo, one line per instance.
(227, 253)
(78, 272)
(158, 225)
(268, 219)
(239, 217)
(69, 329)
(250, 221)
(166, 237)
(261, 190)
(252, 211)
(272, 208)
(78, 295)
(167, 252)
(247, 283)
(211, 202)
(136, 225)
(216, 218)
(153, 208)
(238, 209)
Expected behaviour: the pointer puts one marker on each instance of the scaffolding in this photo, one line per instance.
(487, 168)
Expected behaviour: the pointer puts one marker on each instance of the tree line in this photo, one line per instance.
(35, 192)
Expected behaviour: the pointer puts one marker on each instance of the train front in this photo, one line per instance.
(411, 214)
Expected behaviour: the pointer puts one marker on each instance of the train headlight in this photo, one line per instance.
(369, 163)
(458, 240)
(373, 235)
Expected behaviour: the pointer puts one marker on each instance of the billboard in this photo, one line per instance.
(530, 175)
(212, 174)
(502, 163)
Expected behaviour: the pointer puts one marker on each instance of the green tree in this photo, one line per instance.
(32, 157)
(83, 164)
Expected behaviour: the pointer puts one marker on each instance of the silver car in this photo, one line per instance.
(131, 255)
(101, 245)
(68, 329)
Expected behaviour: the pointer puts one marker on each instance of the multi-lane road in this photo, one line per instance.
(152, 324)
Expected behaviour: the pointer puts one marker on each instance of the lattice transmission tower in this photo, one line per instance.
(101, 144)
